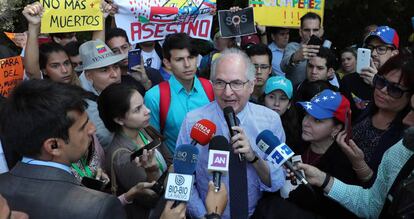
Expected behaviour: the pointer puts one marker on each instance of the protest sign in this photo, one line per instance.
(62, 16)
(19, 39)
(237, 23)
(284, 13)
(11, 73)
(147, 20)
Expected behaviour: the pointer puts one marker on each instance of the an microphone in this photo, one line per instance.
(231, 121)
(202, 132)
(218, 159)
(278, 152)
(180, 183)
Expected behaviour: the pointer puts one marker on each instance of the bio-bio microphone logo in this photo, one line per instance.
(202, 128)
(219, 160)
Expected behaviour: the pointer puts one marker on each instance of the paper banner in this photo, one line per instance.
(11, 73)
(239, 23)
(146, 20)
(284, 13)
(62, 16)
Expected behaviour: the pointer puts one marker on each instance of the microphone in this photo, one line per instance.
(202, 132)
(179, 184)
(218, 159)
(408, 138)
(278, 152)
(231, 121)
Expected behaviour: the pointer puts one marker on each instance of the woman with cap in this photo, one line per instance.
(278, 97)
(123, 112)
(325, 117)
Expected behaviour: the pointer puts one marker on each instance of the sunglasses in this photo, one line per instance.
(392, 88)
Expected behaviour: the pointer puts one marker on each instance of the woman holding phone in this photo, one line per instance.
(123, 112)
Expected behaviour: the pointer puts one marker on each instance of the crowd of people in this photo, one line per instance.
(68, 131)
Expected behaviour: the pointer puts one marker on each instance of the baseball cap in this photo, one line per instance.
(386, 34)
(96, 54)
(249, 40)
(327, 104)
(279, 83)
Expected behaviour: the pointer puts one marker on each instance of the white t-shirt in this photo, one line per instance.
(151, 59)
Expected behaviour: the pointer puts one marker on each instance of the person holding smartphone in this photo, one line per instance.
(123, 112)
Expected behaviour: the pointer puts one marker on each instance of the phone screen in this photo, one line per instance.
(93, 183)
(153, 144)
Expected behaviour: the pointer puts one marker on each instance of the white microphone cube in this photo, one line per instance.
(178, 187)
(280, 154)
(218, 161)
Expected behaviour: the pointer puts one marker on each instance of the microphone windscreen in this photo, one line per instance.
(185, 159)
(267, 141)
(228, 110)
(203, 131)
(220, 143)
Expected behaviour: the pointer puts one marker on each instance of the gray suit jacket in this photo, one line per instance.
(48, 192)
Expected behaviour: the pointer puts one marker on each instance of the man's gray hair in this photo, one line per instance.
(250, 70)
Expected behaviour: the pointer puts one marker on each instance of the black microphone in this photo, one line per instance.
(218, 159)
(408, 138)
(231, 121)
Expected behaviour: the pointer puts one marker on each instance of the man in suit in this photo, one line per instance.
(46, 123)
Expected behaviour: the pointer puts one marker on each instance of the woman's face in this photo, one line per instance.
(348, 62)
(315, 130)
(138, 115)
(58, 67)
(278, 101)
(386, 102)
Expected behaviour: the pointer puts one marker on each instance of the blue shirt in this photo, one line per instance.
(165, 75)
(181, 103)
(32, 161)
(277, 55)
(253, 119)
(368, 203)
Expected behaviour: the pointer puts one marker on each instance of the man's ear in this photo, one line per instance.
(88, 75)
(167, 63)
(395, 52)
(52, 147)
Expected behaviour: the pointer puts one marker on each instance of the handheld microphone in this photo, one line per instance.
(231, 121)
(179, 184)
(202, 132)
(278, 152)
(218, 159)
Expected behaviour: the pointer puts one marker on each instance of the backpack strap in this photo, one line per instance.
(165, 99)
(114, 185)
(208, 88)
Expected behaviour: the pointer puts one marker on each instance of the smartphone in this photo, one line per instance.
(159, 187)
(348, 126)
(93, 183)
(314, 40)
(153, 144)
(363, 59)
(134, 58)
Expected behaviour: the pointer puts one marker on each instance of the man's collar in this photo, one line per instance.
(177, 87)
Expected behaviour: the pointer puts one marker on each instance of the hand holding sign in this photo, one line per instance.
(33, 13)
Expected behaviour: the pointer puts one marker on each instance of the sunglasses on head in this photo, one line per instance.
(392, 88)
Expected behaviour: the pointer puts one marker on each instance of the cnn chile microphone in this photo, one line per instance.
(202, 132)
(179, 184)
(218, 159)
(231, 121)
(278, 152)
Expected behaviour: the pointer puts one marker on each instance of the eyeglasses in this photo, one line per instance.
(381, 50)
(392, 88)
(234, 85)
(261, 66)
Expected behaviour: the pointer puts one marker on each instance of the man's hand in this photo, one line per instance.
(138, 189)
(216, 202)
(241, 144)
(367, 74)
(138, 73)
(33, 13)
(305, 52)
(313, 175)
(175, 213)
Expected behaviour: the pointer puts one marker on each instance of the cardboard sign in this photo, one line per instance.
(148, 20)
(11, 74)
(62, 16)
(239, 23)
(284, 13)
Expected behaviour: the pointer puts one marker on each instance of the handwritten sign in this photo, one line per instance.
(19, 39)
(11, 73)
(148, 20)
(237, 23)
(71, 16)
(284, 13)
